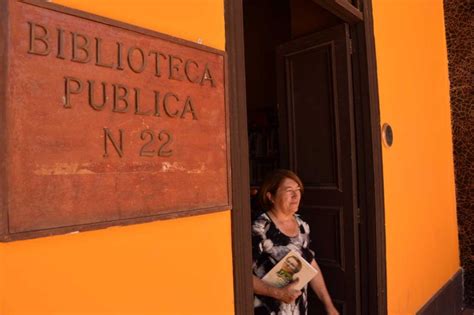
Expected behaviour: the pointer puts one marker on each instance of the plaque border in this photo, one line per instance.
(4, 31)
(5, 235)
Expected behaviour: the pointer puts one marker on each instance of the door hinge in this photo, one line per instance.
(350, 46)
(358, 215)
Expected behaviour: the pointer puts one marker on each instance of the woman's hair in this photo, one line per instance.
(271, 184)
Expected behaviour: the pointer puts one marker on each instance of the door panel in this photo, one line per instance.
(313, 64)
(318, 143)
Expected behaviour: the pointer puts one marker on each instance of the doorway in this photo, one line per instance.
(307, 75)
(300, 116)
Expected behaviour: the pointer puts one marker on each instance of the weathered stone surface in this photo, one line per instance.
(459, 35)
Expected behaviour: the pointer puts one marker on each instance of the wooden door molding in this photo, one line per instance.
(236, 97)
(342, 9)
(371, 192)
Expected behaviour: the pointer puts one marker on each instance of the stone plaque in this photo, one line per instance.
(104, 123)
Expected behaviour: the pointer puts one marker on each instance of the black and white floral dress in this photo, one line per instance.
(269, 246)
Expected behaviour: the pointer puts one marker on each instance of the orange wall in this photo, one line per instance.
(420, 209)
(170, 267)
(194, 20)
(181, 266)
(2, 280)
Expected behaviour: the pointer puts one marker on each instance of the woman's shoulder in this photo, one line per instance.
(304, 227)
(256, 214)
(261, 221)
(261, 217)
(299, 219)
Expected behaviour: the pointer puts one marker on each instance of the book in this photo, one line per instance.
(288, 269)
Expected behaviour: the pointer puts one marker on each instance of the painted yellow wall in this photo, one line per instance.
(195, 20)
(174, 267)
(420, 210)
(170, 267)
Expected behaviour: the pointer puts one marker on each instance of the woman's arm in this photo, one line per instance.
(319, 287)
(286, 294)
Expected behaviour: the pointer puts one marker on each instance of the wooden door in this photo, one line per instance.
(318, 143)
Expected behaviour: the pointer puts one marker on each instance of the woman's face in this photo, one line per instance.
(287, 197)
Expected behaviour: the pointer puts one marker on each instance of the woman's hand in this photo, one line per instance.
(288, 294)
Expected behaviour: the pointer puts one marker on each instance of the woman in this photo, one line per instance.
(274, 233)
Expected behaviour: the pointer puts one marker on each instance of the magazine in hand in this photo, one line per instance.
(289, 268)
